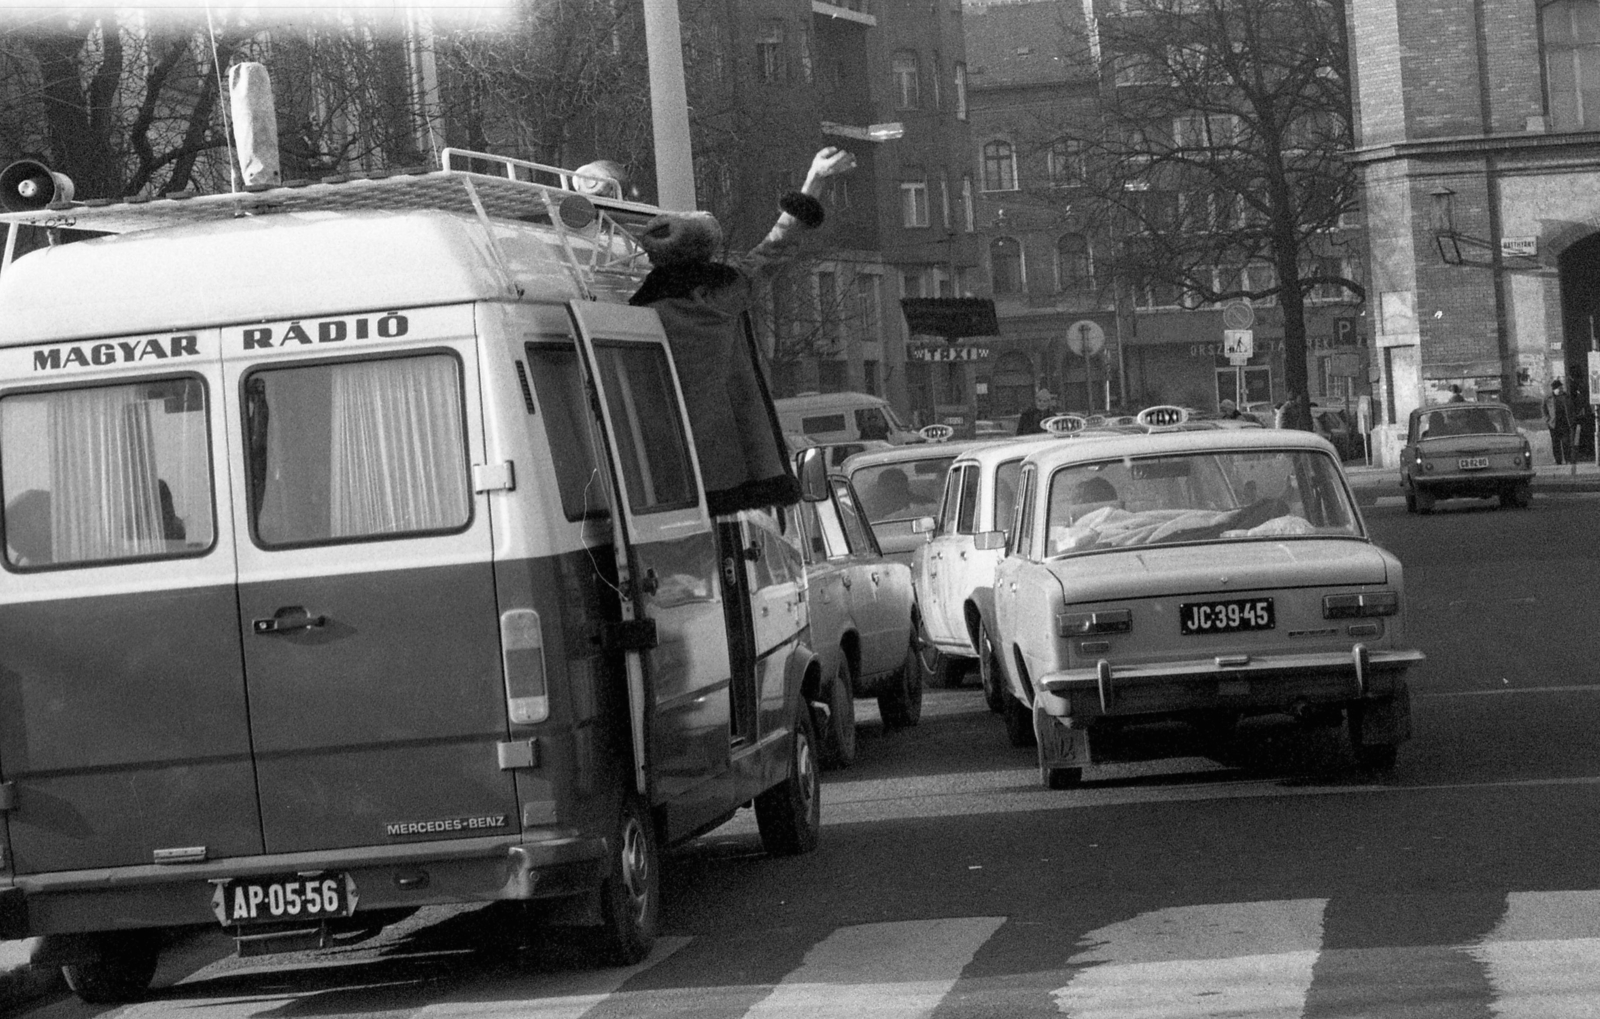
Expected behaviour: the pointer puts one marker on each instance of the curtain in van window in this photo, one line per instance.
(105, 497)
(397, 460)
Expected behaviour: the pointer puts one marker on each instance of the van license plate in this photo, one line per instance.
(1225, 616)
(1473, 463)
(244, 901)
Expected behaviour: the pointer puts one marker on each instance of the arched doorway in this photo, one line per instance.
(1580, 321)
(1011, 384)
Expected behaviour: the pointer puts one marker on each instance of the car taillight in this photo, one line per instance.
(1078, 624)
(1369, 603)
(522, 653)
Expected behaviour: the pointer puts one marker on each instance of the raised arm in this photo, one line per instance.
(800, 211)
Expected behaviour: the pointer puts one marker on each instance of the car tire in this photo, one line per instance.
(901, 704)
(990, 673)
(789, 815)
(122, 973)
(837, 745)
(1425, 500)
(630, 896)
(1522, 496)
(1019, 722)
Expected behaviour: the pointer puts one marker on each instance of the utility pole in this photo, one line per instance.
(669, 106)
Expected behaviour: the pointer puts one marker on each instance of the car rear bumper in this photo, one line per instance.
(1253, 683)
(1478, 483)
(538, 865)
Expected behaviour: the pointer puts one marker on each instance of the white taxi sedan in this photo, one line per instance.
(1202, 576)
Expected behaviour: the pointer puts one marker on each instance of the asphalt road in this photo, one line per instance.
(1271, 879)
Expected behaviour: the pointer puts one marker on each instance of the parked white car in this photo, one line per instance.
(1195, 575)
(900, 486)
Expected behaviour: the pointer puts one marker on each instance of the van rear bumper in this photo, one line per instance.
(551, 863)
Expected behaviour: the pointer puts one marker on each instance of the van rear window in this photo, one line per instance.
(356, 450)
(103, 474)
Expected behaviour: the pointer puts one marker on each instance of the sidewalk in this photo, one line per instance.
(1370, 483)
(19, 980)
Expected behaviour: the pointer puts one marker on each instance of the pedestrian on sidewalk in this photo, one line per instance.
(1558, 418)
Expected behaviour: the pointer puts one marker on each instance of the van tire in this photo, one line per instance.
(837, 747)
(901, 703)
(630, 896)
(789, 815)
(122, 973)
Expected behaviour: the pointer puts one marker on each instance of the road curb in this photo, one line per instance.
(1368, 490)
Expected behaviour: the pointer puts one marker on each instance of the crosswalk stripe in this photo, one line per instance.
(564, 995)
(895, 970)
(1535, 976)
(1242, 958)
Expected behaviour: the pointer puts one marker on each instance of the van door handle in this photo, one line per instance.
(288, 619)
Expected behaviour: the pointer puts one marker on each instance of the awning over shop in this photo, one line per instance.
(950, 317)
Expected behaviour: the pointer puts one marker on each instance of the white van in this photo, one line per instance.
(843, 417)
(356, 560)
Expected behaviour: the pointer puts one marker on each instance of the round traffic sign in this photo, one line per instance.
(1085, 338)
(1238, 315)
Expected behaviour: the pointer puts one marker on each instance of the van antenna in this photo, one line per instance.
(227, 128)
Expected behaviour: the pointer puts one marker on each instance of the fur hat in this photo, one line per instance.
(681, 238)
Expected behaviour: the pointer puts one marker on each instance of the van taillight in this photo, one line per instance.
(522, 652)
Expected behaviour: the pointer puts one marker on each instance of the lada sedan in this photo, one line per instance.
(900, 486)
(1202, 576)
(861, 630)
(1470, 449)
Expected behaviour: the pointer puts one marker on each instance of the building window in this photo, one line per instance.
(1572, 63)
(808, 71)
(907, 88)
(944, 201)
(1065, 162)
(868, 292)
(999, 166)
(1200, 131)
(1327, 292)
(961, 91)
(914, 203)
(937, 73)
(770, 69)
(911, 283)
(1005, 265)
(968, 210)
(1074, 264)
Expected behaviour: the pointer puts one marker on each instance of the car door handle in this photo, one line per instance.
(874, 580)
(963, 554)
(287, 620)
(847, 582)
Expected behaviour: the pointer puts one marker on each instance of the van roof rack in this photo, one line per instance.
(486, 186)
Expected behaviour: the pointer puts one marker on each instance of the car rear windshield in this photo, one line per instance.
(1198, 497)
(903, 490)
(1466, 420)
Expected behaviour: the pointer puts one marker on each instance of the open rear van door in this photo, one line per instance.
(673, 630)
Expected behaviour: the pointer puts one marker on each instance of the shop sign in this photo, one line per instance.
(949, 353)
(1519, 247)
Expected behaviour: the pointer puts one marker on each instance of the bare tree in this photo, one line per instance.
(1216, 153)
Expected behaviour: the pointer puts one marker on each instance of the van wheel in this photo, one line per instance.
(789, 815)
(993, 680)
(123, 972)
(838, 745)
(630, 898)
(901, 704)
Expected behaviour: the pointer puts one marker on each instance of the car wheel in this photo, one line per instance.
(1522, 496)
(901, 704)
(1425, 500)
(126, 965)
(989, 672)
(630, 898)
(1019, 722)
(789, 815)
(838, 742)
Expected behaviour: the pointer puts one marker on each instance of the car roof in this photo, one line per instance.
(1459, 404)
(993, 452)
(1116, 447)
(912, 451)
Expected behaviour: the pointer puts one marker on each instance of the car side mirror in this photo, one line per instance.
(922, 525)
(983, 541)
(812, 470)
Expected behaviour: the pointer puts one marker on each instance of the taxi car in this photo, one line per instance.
(1470, 449)
(900, 486)
(1199, 576)
(861, 629)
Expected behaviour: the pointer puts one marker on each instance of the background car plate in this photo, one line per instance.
(288, 897)
(1468, 463)
(1230, 616)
